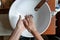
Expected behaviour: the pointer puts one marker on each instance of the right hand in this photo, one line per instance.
(29, 23)
(30, 26)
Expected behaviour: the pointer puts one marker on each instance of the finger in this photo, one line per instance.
(27, 18)
(26, 25)
(31, 16)
(19, 17)
(18, 20)
(25, 22)
(30, 19)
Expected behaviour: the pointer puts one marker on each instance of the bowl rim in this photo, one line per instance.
(49, 20)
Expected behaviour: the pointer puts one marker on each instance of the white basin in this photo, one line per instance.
(42, 17)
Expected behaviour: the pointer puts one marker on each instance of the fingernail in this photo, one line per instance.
(31, 16)
(19, 16)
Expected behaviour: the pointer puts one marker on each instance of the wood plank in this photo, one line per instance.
(51, 3)
(51, 30)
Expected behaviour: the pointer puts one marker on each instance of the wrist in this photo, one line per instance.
(34, 30)
(37, 35)
(18, 29)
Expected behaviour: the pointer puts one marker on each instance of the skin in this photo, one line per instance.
(18, 30)
(28, 24)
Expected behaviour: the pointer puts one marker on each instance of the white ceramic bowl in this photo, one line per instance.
(42, 17)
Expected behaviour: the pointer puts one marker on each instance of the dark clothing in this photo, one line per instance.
(27, 38)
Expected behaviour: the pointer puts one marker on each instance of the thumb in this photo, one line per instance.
(18, 20)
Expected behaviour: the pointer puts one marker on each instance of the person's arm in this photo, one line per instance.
(16, 34)
(18, 30)
(30, 26)
(36, 34)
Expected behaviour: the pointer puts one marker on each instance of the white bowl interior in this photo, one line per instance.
(41, 17)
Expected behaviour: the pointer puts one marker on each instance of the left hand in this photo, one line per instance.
(20, 24)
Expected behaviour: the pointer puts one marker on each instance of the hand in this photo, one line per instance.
(29, 23)
(20, 24)
(18, 30)
(30, 26)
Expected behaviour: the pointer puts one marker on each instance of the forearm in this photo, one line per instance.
(15, 34)
(37, 35)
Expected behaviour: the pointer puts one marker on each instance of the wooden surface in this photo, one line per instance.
(51, 30)
(6, 3)
(52, 4)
